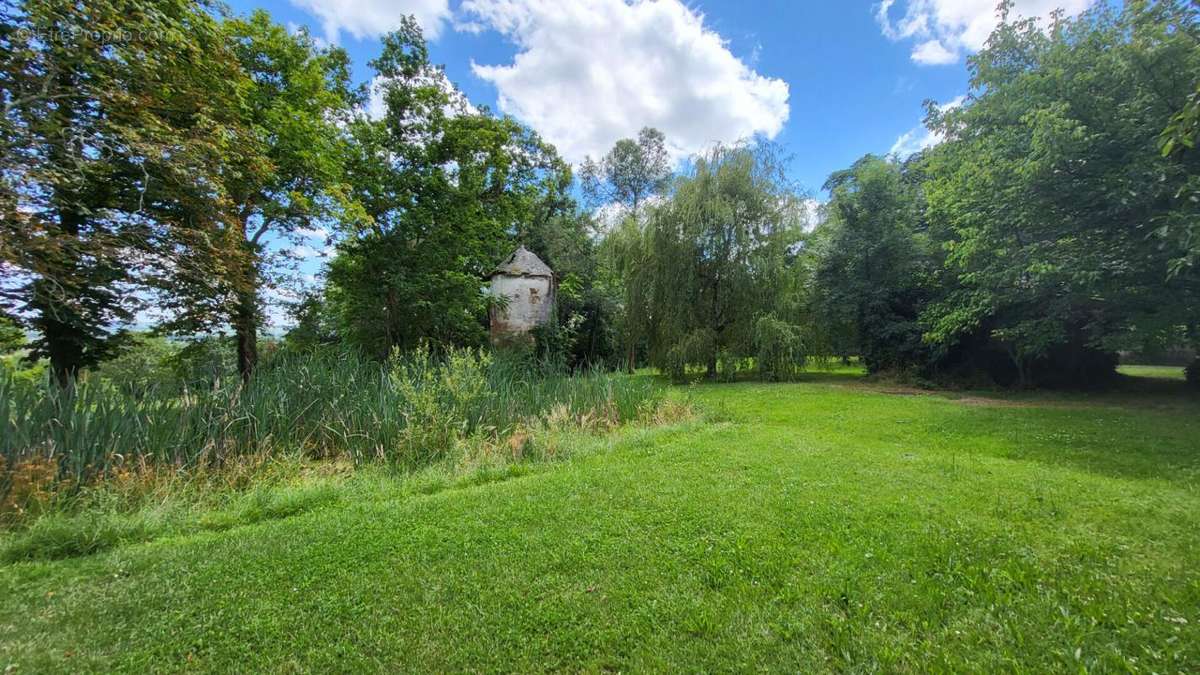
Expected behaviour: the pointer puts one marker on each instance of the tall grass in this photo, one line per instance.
(409, 411)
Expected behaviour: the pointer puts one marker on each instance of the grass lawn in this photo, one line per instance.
(824, 525)
(1155, 372)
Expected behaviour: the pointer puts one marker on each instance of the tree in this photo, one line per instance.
(293, 99)
(440, 190)
(107, 106)
(1049, 190)
(625, 271)
(12, 337)
(315, 326)
(586, 300)
(872, 264)
(717, 257)
(632, 172)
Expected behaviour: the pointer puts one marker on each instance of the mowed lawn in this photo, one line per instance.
(818, 526)
(1154, 372)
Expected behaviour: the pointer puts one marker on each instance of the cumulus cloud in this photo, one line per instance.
(945, 30)
(589, 72)
(371, 18)
(920, 138)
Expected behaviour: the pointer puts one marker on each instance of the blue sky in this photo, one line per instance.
(828, 81)
(849, 80)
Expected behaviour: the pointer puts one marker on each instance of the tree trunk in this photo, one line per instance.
(246, 328)
(1022, 368)
(62, 342)
(631, 357)
(245, 316)
(63, 338)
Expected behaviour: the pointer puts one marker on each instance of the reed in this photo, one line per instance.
(409, 411)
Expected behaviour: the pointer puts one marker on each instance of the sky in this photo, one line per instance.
(827, 80)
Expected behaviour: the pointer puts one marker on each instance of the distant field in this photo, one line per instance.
(1155, 372)
(818, 526)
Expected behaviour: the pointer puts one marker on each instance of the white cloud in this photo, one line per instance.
(947, 29)
(303, 251)
(371, 18)
(812, 213)
(589, 72)
(932, 53)
(919, 138)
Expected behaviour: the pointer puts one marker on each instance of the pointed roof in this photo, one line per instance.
(523, 263)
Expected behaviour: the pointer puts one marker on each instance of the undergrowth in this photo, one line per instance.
(64, 451)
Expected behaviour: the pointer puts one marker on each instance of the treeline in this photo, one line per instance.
(1057, 224)
(163, 154)
(153, 152)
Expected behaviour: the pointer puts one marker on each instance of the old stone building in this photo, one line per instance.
(527, 284)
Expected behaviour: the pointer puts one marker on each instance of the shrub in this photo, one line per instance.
(778, 349)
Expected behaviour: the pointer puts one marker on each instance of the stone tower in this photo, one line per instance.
(528, 285)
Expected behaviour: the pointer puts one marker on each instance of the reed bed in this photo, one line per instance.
(410, 412)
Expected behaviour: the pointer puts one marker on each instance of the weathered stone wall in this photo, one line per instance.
(530, 303)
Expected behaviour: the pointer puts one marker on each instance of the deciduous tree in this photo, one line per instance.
(108, 106)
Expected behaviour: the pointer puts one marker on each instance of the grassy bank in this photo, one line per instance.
(827, 525)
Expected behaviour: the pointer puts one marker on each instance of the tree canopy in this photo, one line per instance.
(170, 153)
(443, 188)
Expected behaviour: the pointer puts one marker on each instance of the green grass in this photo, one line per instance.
(818, 526)
(1154, 372)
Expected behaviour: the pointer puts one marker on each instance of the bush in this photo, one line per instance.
(779, 353)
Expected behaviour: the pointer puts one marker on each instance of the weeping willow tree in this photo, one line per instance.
(716, 257)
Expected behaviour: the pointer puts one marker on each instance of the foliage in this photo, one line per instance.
(439, 185)
(408, 411)
(12, 337)
(1058, 216)
(315, 325)
(778, 349)
(630, 173)
(293, 97)
(142, 369)
(713, 257)
(587, 305)
(110, 107)
(621, 184)
(873, 260)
